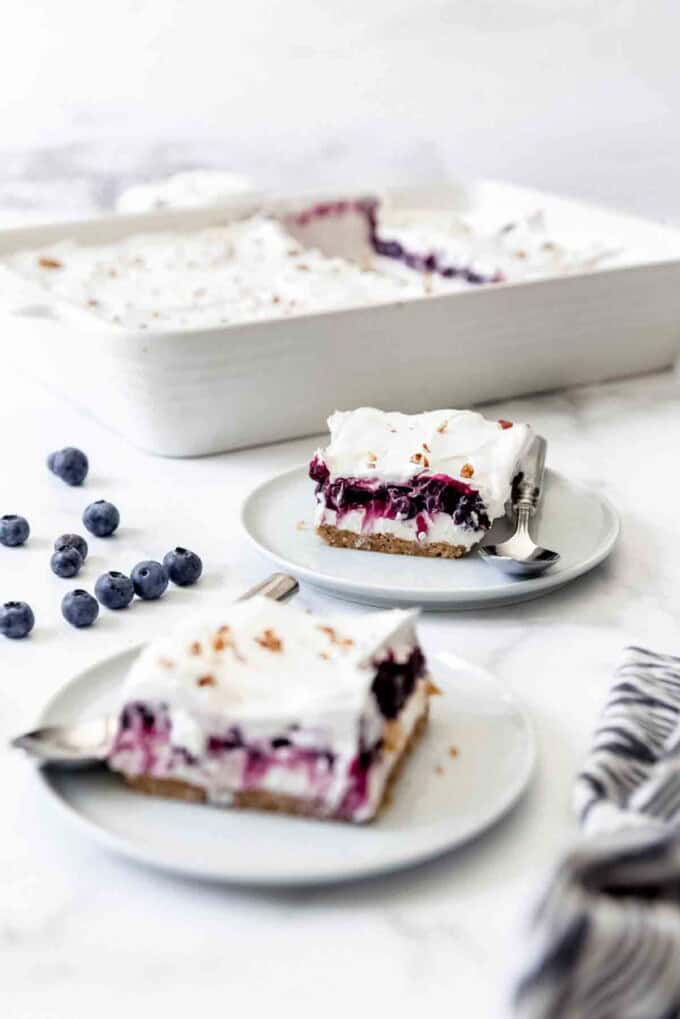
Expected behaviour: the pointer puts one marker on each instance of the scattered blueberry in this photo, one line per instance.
(14, 530)
(114, 590)
(184, 567)
(149, 579)
(101, 518)
(72, 541)
(66, 563)
(79, 608)
(69, 464)
(16, 619)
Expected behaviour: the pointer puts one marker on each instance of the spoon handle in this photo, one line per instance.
(529, 489)
(280, 587)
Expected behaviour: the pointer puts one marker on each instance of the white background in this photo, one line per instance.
(578, 96)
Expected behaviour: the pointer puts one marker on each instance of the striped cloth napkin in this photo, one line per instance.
(605, 936)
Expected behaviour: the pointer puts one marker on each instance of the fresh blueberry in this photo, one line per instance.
(184, 567)
(72, 541)
(66, 563)
(69, 464)
(114, 590)
(79, 608)
(149, 579)
(13, 530)
(101, 518)
(16, 619)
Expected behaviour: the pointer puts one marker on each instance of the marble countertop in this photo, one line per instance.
(84, 932)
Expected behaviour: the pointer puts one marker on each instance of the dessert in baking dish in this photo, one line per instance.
(266, 706)
(426, 484)
(340, 254)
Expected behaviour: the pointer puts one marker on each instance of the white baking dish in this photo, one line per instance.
(185, 394)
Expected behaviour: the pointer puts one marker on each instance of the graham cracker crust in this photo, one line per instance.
(261, 799)
(338, 538)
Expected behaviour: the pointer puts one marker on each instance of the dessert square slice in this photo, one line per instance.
(426, 484)
(266, 706)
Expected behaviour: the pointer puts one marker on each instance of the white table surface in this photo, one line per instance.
(85, 933)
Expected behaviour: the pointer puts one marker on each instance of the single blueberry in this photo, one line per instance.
(72, 541)
(14, 530)
(66, 563)
(16, 619)
(149, 579)
(101, 518)
(114, 590)
(79, 608)
(184, 567)
(69, 464)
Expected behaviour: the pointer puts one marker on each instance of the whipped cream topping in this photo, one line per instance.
(508, 252)
(243, 271)
(260, 268)
(264, 667)
(388, 446)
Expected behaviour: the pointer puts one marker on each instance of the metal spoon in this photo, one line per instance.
(87, 744)
(519, 555)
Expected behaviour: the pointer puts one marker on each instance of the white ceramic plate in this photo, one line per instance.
(439, 802)
(578, 523)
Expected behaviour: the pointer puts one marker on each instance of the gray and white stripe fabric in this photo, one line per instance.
(606, 934)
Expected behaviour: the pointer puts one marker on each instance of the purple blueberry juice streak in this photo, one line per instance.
(424, 496)
(144, 731)
(357, 793)
(147, 733)
(430, 262)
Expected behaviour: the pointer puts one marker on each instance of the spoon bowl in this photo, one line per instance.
(519, 562)
(519, 555)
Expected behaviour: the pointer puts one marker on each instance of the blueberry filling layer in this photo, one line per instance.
(424, 494)
(395, 682)
(424, 262)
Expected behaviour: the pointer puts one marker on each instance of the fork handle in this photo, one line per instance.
(530, 487)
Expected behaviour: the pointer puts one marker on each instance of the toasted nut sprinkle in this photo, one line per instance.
(269, 641)
(426, 448)
(443, 427)
(218, 643)
(46, 262)
(334, 637)
(195, 648)
(206, 681)
(466, 471)
(453, 751)
(431, 689)
(324, 655)
(439, 770)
